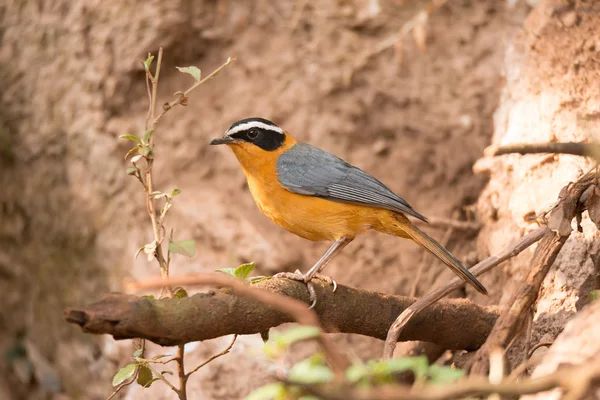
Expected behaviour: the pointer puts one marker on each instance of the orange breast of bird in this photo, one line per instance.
(312, 218)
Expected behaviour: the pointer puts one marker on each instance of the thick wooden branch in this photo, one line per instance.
(454, 324)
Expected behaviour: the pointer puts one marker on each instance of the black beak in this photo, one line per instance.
(222, 140)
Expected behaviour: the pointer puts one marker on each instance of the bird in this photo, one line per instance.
(320, 197)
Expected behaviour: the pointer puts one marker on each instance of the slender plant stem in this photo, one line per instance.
(182, 98)
(162, 378)
(214, 357)
(158, 220)
(181, 372)
(155, 84)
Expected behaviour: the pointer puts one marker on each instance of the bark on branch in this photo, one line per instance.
(454, 324)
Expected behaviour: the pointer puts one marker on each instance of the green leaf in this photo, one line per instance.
(357, 372)
(175, 192)
(244, 270)
(228, 271)
(279, 342)
(272, 391)
(145, 377)
(193, 71)
(124, 374)
(145, 151)
(593, 295)
(311, 371)
(131, 170)
(441, 374)
(131, 152)
(148, 62)
(240, 272)
(147, 136)
(384, 371)
(131, 137)
(256, 279)
(180, 293)
(418, 365)
(183, 247)
(297, 334)
(138, 353)
(138, 252)
(148, 296)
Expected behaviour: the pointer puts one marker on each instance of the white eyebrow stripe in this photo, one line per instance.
(253, 124)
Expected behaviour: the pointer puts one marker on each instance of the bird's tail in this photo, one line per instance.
(424, 240)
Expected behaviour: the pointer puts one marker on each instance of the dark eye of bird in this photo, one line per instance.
(266, 139)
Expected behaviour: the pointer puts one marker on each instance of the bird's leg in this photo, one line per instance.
(314, 272)
(331, 252)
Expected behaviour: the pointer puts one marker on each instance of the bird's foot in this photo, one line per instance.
(300, 277)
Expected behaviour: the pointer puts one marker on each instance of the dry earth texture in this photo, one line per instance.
(416, 117)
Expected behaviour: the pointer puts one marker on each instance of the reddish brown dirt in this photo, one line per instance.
(70, 219)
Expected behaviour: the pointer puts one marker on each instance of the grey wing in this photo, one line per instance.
(307, 170)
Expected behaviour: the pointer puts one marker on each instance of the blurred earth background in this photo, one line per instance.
(415, 110)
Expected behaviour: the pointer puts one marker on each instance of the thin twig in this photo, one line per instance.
(155, 361)
(392, 40)
(148, 79)
(537, 346)
(529, 332)
(162, 378)
(148, 186)
(574, 148)
(155, 85)
(182, 97)
(444, 223)
(214, 357)
(181, 372)
(158, 220)
(482, 267)
(122, 385)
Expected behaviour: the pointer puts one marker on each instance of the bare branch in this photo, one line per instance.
(214, 357)
(578, 149)
(214, 314)
(182, 97)
(165, 380)
(482, 267)
(445, 223)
